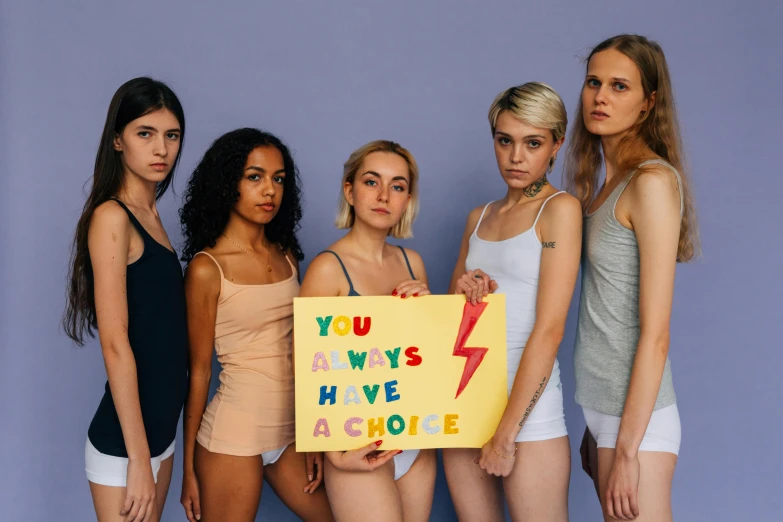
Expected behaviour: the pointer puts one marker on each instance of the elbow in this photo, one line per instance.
(550, 336)
(657, 342)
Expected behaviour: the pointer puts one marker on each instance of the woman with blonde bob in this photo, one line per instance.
(527, 246)
(637, 227)
(379, 198)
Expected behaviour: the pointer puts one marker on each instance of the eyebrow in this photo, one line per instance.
(529, 136)
(615, 78)
(373, 173)
(148, 128)
(262, 170)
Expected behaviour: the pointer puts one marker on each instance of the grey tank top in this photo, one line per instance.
(608, 326)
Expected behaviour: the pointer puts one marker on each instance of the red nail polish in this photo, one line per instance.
(378, 442)
(403, 296)
(416, 294)
(394, 293)
(399, 452)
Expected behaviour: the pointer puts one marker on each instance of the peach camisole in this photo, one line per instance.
(253, 409)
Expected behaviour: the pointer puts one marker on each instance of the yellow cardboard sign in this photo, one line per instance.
(425, 372)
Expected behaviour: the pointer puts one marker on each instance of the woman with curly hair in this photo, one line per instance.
(378, 198)
(126, 282)
(242, 209)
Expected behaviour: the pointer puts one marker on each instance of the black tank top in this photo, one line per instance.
(157, 330)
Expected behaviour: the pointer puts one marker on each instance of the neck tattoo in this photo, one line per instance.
(534, 188)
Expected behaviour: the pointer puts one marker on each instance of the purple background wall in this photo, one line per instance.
(330, 76)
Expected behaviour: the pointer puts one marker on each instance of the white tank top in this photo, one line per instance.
(514, 264)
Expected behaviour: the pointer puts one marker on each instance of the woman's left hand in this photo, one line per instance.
(314, 469)
(493, 463)
(411, 288)
(622, 488)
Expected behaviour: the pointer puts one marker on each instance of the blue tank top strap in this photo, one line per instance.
(407, 262)
(351, 290)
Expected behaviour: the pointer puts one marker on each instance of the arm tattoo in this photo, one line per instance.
(534, 188)
(533, 402)
(551, 244)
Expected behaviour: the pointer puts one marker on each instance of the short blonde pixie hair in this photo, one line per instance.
(534, 103)
(345, 212)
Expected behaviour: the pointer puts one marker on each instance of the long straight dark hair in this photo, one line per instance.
(132, 100)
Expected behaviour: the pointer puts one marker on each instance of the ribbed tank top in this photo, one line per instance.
(158, 335)
(514, 264)
(608, 326)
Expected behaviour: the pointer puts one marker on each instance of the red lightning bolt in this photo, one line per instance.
(470, 316)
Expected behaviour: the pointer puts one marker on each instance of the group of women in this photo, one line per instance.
(242, 208)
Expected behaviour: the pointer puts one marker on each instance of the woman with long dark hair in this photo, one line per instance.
(126, 283)
(637, 227)
(242, 209)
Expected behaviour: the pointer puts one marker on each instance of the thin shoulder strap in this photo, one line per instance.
(475, 230)
(135, 222)
(407, 262)
(540, 210)
(345, 271)
(215, 261)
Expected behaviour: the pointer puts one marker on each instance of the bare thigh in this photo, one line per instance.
(537, 488)
(162, 485)
(358, 496)
(417, 487)
(655, 483)
(476, 494)
(109, 500)
(229, 486)
(288, 477)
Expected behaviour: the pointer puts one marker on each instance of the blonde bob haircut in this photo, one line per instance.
(534, 103)
(345, 212)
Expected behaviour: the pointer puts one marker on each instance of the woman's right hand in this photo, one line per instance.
(139, 503)
(362, 459)
(475, 284)
(190, 499)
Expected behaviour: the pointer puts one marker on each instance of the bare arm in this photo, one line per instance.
(655, 215)
(109, 239)
(202, 289)
(459, 268)
(561, 228)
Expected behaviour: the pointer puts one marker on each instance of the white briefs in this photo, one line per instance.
(663, 432)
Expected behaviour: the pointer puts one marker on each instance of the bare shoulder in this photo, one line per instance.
(109, 215)
(414, 258)
(324, 277)
(474, 216)
(655, 180)
(202, 271)
(325, 265)
(563, 207)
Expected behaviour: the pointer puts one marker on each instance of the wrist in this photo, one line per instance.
(507, 450)
(625, 453)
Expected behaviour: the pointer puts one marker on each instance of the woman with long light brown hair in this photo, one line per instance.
(636, 228)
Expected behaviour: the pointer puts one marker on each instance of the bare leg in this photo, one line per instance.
(537, 488)
(162, 485)
(108, 502)
(476, 494)
(230, 487)
(288, 477)
(358, 496)
(417, 487)
(655, 483)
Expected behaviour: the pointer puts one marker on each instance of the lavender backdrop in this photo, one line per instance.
(329, 76)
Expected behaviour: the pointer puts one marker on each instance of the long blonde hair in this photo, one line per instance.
(657, 130)
(345, 212)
